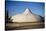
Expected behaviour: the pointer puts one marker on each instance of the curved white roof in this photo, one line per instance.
(27, 16)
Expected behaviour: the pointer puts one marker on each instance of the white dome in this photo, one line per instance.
(27, 16)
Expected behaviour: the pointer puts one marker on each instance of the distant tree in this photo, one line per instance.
(42, 19)
(7, 18)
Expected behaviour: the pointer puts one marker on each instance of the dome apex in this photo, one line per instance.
(27, 11)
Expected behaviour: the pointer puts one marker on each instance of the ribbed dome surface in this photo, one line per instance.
(27, 16)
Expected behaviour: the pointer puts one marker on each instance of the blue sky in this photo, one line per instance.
(15, 7)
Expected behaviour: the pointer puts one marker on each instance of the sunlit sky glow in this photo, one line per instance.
(16, 7)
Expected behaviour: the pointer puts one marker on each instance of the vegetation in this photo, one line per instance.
(7, 17)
